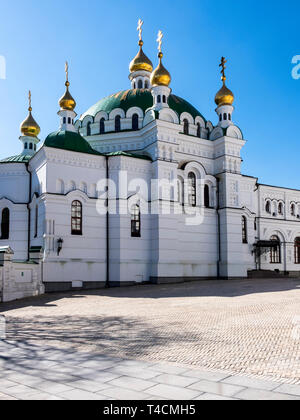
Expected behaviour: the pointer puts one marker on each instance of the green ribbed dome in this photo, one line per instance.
(17, 159)
(141, 98)
(69, 140)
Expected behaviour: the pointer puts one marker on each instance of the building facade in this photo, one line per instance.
(179, 207)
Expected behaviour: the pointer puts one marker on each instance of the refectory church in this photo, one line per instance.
(50, 195)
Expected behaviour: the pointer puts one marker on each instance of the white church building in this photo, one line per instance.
(180, 208)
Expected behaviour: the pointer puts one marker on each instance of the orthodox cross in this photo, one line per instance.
(159, 40)
(223, 62)
(29, 101)
(67, 71)
(140, 28)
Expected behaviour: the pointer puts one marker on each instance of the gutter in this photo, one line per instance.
(219, 228)
(107, 283)
(29, 211)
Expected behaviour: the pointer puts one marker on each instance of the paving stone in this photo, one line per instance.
(210, 397)
(124, 394)
(218, 388)
(172, 392)
(170, 369)
(20, 391)
(87, 385)
(5, 397)
(131, 383)
(79, 394)
(250, 383)
(289, 389)
(134, 372)
(258, 394)
(210, 376)
(176, 380)
(52, 387)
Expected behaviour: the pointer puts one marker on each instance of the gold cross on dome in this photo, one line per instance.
(223, 62)
(67, 70)
(159, 40)
(140, 28)
(29, 101)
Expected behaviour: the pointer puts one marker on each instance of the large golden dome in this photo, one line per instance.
(160, 76)
(67, 102)
(224, 96)
(29, 126)
(141, 61)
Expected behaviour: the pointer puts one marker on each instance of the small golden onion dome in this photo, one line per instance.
(141, 61)
(67, 102)
(29, 126)
(224, 96)
(160, 76)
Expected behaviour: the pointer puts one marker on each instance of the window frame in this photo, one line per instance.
(136, 221)
(5, 224)
(244, 230)
(192, 189)
(275, 253)
(297, 250)
(76, 204)
(117, 123)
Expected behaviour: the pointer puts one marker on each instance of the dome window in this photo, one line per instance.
(30, 146)
(185, 126)
(140, 84)
(102, 126)
(198, 130)
(225, 117)
(146, 84)
(64, 120)
(135, 122)
(69, 120)
(159, 99)
(88, 129)
(26, 146)
(117, 123)
(164, 99)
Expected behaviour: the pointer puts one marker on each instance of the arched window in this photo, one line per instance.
(102, 126)
(293, 210)
(275, 254)
(30, 146)
(146, 84)
(280, 209)
(198, 130)
(244, 230)
(297, 251)
(25, 146)
(134, 85)
(206, 196)
(76, 218)
(220, 118)
(117, 124)
(36, 221)
(135, 221)
(224, 117)
(135, 122)
(64, 120)
(5, 224)
(229, 117)
(268, 207)
(88, 129)
(35, 147)
(185, 126)
(164, 99)
(69, 120)
(140, 84)
(192, 199)
(159, 99)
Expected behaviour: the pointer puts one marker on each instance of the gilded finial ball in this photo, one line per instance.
(160, 55)
(67, 84)
(141, 42)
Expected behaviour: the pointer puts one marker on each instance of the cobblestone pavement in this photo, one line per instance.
(249, 328)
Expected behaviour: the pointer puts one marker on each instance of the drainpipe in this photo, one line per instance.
(107, 283)
(219, 228)
(29, 211)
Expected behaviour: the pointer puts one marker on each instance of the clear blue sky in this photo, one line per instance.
(99, 39)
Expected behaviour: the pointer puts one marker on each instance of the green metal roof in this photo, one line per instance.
(17, 159)
(141, 98)
(127, 154)
(69, 140)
